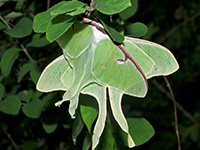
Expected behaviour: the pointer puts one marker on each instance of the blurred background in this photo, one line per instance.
(173, 24)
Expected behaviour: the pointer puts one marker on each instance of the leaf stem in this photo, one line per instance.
(27, 54)
(123, 49)
(4, 21)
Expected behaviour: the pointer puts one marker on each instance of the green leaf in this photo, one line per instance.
(11, 105)
(35, 74)
(77, 127)
(22, 29)
(130, 11)
(67, 7)
(77, 12)
(136, 29)
(140, 130)
(50, 123)
(38, 41)
(2, 90)
(2, 26)
(23, 71)
(30, 145)
(165, 62)
(116, 36)
(3, 1)
(8, 60)
(88, 114)
(111, 7)
(58, 26)
(26, 95)
(33, 109)
(49, 100)
(50, 78)
(42, 20)
(19, 4)
(13, 15)
(107, 139)
(87, 142)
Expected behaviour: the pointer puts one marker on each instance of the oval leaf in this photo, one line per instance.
(38, 41)
(8, 60)
(22, 29)
(35, 73)
(67, 7)
(58, 26)
(116, 36)
(33, 109)
(136, 29)
(42, 20)
(111, 7)
(24, 70)
(50, 123)
(77, 127)
(77, 12)
(11, 105)
(88, 112)
(130, 11)
(140, 130)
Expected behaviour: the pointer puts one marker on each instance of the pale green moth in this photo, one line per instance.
(88, 65)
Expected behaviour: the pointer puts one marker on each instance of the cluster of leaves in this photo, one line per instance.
(61, 16)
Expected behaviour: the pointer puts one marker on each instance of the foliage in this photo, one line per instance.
(32, 110)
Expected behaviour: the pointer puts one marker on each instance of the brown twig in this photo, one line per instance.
(4, 21)
(174, 29)
(175, 113)
(48, 4)
(180, 108)
(27, 54)
(10, 138)
(122, 48)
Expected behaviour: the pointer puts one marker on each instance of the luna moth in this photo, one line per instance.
(88, 66)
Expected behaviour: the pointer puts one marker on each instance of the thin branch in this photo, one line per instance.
(4, 21)
(174, 29)
(175, 113)
(48, 4)
(10, 138)
(27, 54)
(180, 108)
(122, 48)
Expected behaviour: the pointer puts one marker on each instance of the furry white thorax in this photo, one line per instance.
(97, 36)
